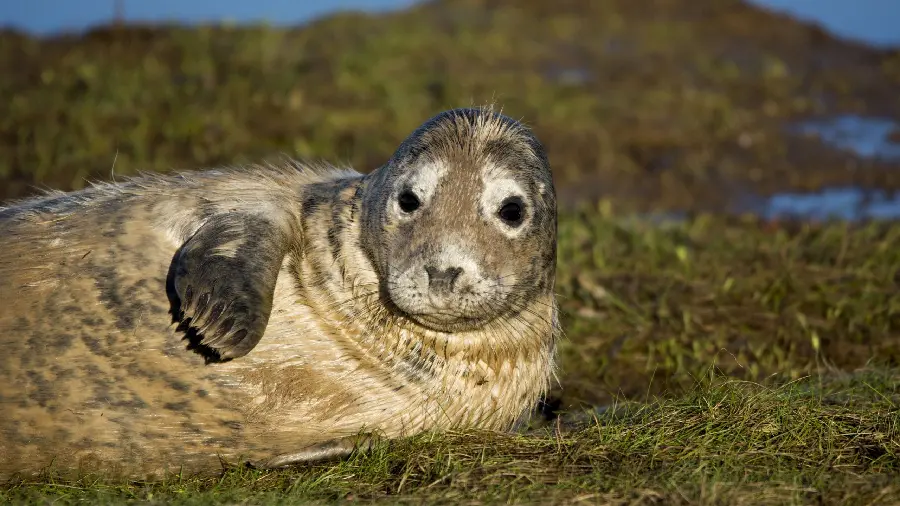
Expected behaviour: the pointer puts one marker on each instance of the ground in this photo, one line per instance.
(727, 442)
(718, 359)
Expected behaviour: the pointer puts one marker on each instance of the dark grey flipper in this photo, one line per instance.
(222, 282)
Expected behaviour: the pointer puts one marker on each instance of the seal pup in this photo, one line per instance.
(279, 314)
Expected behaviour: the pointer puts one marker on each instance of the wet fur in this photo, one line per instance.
(110, 363)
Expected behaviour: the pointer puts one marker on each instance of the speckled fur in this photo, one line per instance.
(109, 362)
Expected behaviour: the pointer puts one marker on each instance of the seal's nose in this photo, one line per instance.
(442, 280)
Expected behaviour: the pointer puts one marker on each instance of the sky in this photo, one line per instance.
(874, 21)
(48, 16)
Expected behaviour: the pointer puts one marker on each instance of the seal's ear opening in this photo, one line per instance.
(221, 284)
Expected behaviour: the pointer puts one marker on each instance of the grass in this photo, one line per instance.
(713, 360)
(649, 307)
(726, 442)
(710, 361)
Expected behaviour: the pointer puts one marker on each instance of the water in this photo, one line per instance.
(871, 21)
(848, 204)
(866, 137)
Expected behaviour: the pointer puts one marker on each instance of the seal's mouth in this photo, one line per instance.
(446, 320)
(442, 322)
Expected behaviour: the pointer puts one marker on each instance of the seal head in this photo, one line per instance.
(461, 222)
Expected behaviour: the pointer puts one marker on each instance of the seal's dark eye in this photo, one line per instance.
(408, 201)
(512, 211)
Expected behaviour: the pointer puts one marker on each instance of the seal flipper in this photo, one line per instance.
(329, 450)
(224, 279)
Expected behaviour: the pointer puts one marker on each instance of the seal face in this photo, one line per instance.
(463, 201)
(280, 313)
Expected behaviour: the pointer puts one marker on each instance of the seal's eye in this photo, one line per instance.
(408, 201)
(512, 211)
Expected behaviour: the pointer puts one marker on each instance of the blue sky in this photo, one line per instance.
(47, 16)
(874, 21)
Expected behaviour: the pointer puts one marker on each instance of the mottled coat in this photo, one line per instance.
(271, 313)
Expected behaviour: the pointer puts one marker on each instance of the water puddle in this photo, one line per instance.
(851, 204)
(868, 137)
(847, 204)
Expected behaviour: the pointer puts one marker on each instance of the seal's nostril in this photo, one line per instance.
(442, 279)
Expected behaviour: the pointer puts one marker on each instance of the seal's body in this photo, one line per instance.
(274, 313)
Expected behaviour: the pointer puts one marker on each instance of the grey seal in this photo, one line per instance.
(279, 313)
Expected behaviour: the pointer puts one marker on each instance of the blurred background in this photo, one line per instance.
(773, 107)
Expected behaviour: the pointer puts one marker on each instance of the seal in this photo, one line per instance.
(279, 314)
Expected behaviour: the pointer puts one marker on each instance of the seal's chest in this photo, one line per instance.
(327, 368)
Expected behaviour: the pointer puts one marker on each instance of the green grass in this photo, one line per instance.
(835, 441)
(711, 361)
(648, 307)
